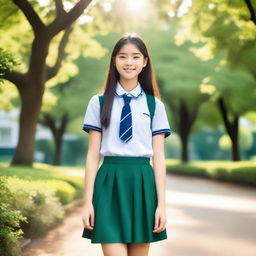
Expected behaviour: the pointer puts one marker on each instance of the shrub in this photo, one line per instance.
(220, 173)
(64, 191)
(186, 169)
(37, 201)
(10, 220)
(243, 172)
(245, 175)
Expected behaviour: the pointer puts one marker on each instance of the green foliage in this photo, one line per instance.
(222, 25)
(36, 192)
(187, 169)
(35, 200)
(236, 172)
(10, 220)
(246, 174)
(9, 15)
(234, 87)
(245, 140)
(64, 191)
(47, 173)
(7, 62)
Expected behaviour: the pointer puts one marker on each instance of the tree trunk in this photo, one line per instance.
(235, 139)
(185, 118)
(184, 147)
(58, 139)
(58, 128)
(232, 128)
(31, 84)
(31, 101)
(58, 148)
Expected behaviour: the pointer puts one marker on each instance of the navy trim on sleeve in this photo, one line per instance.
(167, 132)
(88, 127)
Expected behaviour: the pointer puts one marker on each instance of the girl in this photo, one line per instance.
(124, 203)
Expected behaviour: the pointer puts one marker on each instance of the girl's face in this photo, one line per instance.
(129, 62)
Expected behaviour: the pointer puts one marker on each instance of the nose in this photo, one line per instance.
(129, 61)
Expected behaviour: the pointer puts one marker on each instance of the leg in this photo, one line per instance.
(138, 249)
(114, 249)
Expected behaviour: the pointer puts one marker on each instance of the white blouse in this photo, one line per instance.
(141, 142)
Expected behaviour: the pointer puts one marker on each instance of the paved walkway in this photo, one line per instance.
(205, 218)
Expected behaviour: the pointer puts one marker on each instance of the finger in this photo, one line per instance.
(157, 220)
(92, 220)
(86, 223)
(161, 226)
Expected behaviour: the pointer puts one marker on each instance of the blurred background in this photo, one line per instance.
(54, 56)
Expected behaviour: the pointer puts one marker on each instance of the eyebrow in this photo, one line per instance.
(134, 53)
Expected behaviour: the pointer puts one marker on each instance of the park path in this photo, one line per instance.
(205, 218)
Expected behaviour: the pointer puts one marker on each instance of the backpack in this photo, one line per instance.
(150, 102)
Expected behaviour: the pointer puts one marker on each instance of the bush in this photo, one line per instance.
(220, 173)
(243, 172)
(186, 169)
(245, 175)
(10, 220)
(36, 201)
(64, 191)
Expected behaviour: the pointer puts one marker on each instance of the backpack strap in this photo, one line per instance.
(101, 100)
(150, 102)
(151, 106)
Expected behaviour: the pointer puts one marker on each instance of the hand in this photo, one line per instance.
(160, 219)
(88, 216)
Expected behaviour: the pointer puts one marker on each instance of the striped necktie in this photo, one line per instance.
(125, 132)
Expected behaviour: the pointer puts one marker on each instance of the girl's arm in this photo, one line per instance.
(159, 167)
(92, 163)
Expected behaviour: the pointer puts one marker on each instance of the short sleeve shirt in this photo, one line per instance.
(141, 142)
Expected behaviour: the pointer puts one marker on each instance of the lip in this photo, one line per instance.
(129, 70)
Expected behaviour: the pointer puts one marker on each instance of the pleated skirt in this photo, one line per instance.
(124, 201)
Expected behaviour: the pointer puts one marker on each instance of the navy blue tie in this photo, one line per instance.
(125, 132)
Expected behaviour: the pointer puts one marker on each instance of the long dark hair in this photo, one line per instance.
(146, 77)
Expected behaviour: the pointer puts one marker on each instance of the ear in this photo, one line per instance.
(145, 62)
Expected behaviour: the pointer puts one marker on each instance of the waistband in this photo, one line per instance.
(126, 160)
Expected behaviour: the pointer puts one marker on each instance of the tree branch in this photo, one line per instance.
(52, 71)
(30, 14)
(251, 10)
(224, 114)
(46, 120)
(16, 78)
(59, 8)
(63, 21)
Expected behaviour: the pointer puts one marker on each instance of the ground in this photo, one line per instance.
(205, 218)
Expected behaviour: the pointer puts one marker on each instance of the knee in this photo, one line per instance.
(138, 249)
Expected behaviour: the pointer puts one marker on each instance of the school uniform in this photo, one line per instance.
(125, 196)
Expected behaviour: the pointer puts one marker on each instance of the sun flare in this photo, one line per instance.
(136, 5)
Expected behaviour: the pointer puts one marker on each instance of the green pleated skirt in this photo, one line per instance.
(124, 202)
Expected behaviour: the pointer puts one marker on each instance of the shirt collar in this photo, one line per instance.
(135, 92)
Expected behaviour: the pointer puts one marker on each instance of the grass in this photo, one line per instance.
(39, 171)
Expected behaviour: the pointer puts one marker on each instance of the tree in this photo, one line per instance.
(31, 84)
(179, 74)
(229, 90)
(70, 100)
(227, 27)
(222, 25)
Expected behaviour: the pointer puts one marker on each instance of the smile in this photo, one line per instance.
(129, 69)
